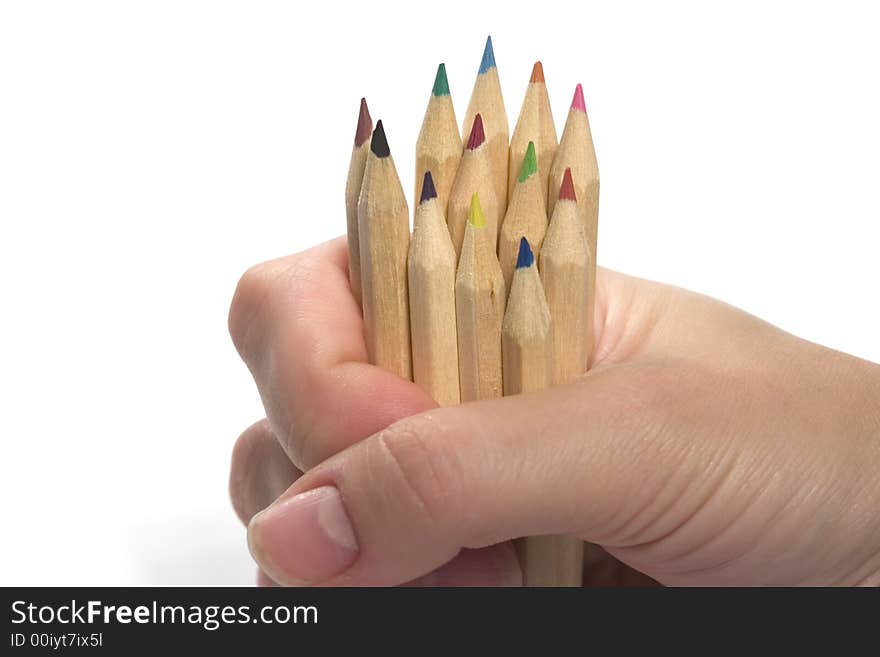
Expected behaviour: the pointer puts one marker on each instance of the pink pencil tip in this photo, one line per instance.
(577, 103)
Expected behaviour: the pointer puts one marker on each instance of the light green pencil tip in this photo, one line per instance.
(530, 163)
(441, 84)
(476, 217)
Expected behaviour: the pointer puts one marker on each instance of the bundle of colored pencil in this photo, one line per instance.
(493, 295)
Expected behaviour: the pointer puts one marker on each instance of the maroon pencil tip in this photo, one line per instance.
(566, 190)
(365, 125)
(477, 135)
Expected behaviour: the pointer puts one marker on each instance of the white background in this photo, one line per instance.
(151, 151)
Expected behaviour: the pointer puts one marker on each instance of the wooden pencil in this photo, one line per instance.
(525, 331)
(479, 305)
(353, 191)
(383, 229)
(486, 99)
(438, 148)
(431, 272)
(564, 265)
(535, 123)
(526, 215)
(525, 337)
(576, 152)
(474, 176)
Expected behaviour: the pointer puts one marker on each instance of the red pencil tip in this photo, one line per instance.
(365, 125)
(577, 103)
(566, 190)
(537, 73)
(477, 135)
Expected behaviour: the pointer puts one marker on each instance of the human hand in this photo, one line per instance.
(300, 331)
(703, 447)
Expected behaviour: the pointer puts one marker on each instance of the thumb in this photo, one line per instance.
(605, 459)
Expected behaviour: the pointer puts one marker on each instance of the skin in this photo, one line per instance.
(705, 447)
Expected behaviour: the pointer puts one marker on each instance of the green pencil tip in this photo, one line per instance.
(476, 217)
(530, 163)
(441, 84)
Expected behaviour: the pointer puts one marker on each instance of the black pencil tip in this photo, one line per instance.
(428, 190)
(379, 143)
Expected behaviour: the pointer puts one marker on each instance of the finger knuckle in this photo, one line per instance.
(305, 440)
(251, 294)
(425, 470)
(241, 468)
(260, 290)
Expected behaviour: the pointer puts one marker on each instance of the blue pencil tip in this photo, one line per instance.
(525, 257)
(488, 57)
(428, 190)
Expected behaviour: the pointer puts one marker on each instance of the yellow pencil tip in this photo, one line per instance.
(476, 217)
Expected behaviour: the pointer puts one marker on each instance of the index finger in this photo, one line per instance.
(299, 329)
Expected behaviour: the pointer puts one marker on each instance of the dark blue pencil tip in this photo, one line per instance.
(428, 191)
(525, 257)
(488, 57)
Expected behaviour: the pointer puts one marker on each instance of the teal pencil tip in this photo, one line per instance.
(441, 84)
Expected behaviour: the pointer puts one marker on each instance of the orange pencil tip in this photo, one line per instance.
(537, 73)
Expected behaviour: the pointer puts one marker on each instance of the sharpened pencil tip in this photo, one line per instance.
(365, 125)
(577, 103)
(441, 84)
(566, 190)
(476, 217)
(478, 136)
(428, 190)
(537, 73)
(525, 257)
(488, 60)
(530, 163)
(379, 143)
